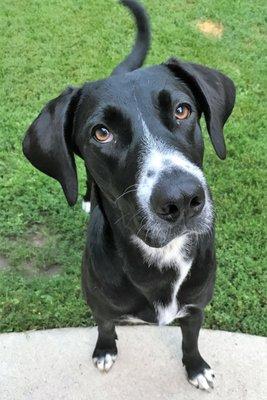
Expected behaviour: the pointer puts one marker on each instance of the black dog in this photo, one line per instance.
(150, 244)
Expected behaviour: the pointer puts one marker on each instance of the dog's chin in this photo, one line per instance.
(160, 239)
(156, 242)
(158, 233)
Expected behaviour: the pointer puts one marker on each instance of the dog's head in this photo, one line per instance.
(139, 134)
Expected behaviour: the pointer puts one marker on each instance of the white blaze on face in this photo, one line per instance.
(156, 159)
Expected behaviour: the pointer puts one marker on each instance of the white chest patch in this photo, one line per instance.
(173, 255)
(167, 313)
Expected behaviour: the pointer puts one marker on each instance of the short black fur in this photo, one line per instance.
(118, 280)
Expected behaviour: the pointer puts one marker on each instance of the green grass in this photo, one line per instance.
(47, 45)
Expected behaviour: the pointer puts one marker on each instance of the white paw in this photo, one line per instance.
(104, 363)
(204, 381)
(86, 206)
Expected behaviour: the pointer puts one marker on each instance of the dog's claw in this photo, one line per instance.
(104, 363)
(204, 381)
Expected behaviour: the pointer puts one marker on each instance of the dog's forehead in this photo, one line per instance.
(140, 85)
(148, 79)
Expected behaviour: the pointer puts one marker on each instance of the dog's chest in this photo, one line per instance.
(174, 256)
(167, 312)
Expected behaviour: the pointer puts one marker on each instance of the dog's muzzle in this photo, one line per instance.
(173, 196)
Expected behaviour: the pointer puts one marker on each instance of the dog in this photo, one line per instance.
(149, 252)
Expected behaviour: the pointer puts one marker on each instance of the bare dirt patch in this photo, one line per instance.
(51, 270)
(37, 239)
(3, 263)
(210, 28)
(30, 270)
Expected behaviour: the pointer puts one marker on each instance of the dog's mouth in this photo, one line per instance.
(157, 233)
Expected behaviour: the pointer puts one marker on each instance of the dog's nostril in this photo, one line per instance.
(172, 209)
(169, 212)
(195, 202)
(150, 173)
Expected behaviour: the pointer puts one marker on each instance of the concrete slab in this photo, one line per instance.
(56, 364)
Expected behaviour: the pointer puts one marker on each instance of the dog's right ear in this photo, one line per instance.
(48, 142)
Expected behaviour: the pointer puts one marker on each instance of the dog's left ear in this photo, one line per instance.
(48, 142)
(215, 94)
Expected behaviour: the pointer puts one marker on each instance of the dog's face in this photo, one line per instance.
(141, 141)
(140, 138)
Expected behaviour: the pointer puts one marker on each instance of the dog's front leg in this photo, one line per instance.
(86, 204)
(198, 371)
(105, 352)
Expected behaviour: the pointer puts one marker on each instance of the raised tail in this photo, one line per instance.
(142, 42)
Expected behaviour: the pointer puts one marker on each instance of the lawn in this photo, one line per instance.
(46, 45)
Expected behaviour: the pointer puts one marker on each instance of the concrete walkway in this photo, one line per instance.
(56, 364)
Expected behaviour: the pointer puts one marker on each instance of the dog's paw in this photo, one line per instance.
(199, 373)
(86, 206)
(104, 362)
(203, 380)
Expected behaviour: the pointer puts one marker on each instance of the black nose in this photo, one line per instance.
(172, 199)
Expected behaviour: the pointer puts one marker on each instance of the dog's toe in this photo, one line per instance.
(86, 206)
(204, 380)
(105, 362)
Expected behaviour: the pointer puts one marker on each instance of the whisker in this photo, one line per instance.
(124, 194)
(135, 215)
(124, 215)
(142, 226)
(120, 218)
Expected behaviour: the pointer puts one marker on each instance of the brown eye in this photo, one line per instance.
(102, 134)
(182, 111)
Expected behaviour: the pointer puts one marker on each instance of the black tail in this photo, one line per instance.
(142, 42)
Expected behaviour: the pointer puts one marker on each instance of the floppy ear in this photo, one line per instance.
(48, 142)
(215, 94)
